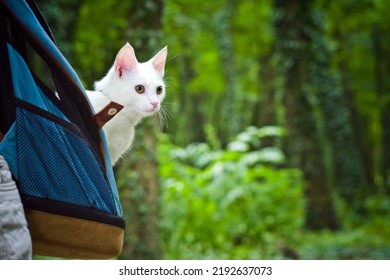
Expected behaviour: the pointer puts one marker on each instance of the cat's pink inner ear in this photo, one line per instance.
(125, 60)
(159, 60)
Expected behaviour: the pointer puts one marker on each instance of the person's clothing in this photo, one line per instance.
(15, 239)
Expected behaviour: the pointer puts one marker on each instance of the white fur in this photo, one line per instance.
(119, 86)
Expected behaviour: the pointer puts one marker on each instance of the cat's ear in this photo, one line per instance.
(159, 60)
(125, 60)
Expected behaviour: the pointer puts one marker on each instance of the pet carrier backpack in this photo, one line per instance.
(53, 143)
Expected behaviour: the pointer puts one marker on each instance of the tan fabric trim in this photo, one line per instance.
(107, 113)
(67, 237)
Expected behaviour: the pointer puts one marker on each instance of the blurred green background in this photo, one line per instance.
(277, 143)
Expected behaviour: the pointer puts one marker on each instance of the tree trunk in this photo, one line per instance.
(137, 174)
(229, 115)
(382, 86)
(190, 102)
(346, 166)
(359, 126)
(303, 144)
(264, 109)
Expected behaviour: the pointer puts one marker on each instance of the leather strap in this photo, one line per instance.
(107, 113)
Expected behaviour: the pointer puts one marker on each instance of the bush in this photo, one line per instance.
(355, 244)
(234, 203)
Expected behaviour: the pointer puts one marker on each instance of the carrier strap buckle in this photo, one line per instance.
(107, 113)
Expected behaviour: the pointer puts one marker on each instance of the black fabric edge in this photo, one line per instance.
(47, 115)
(41, 19)
(48, 93)
(71, 210)
(7, 104)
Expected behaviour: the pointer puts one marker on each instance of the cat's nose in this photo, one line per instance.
(154, 104)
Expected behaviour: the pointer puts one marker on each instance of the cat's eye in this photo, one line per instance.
(159, 90)
(140, 89)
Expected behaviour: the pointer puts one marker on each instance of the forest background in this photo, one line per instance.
(277, 140)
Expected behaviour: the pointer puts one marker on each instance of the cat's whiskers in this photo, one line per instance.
(170, 82)
(164, 115)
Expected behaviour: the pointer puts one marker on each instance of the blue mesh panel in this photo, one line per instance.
(56, 163)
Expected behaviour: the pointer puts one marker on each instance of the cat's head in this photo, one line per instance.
(137, 86)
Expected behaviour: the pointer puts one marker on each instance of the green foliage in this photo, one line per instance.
(96, 38)
(241, 203)
(228, 203)
(362, 238)
(358, 244)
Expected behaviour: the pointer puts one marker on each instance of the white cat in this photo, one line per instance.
(139, 87)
